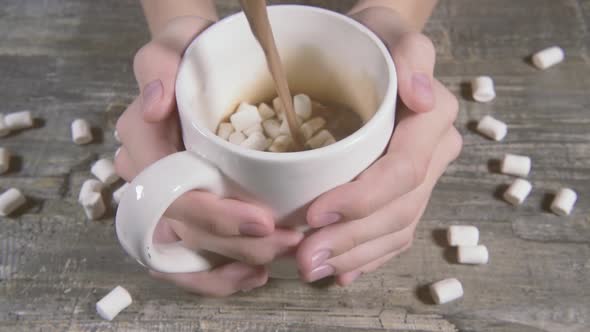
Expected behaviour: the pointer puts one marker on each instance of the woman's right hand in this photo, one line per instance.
(149, 130)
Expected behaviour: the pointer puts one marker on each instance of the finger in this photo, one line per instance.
(146, 142)
(249, 250)
(337, 239)
(401, 170)
(124, 165)
(348, 278)
(414, 56)
(221, 281)
(164, 233)
(223, 217)
(156, 63)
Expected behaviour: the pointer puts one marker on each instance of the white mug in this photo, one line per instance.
(326, 55)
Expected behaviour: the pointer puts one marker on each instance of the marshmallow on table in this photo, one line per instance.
(104, 170)
(309, 128)
(88, 187)
(319, 139)
(282, 143)
(473, 254)
(518, 191)
(11, 200)
(513, 164)
(492, 128)
(93, 205)
(564, 201)
(118, 194)
(446, 290)
(246, 116)
(257, 128)
(4, 130)
(18, 120)
(265, 111)
(272, 128)
(302, 106)
(548, 57)
(4, 160)
(483, 89)
(225, 129)
(462, 235)
(256, 141)
(113, 303)
(237, 137)
(81, 133)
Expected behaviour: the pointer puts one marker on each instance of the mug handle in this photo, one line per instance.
(146, 199)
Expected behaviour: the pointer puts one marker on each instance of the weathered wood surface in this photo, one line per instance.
(65, 58)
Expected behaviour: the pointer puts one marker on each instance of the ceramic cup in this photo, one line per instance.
(327, 56)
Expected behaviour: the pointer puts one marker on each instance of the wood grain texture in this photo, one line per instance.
(64, 59)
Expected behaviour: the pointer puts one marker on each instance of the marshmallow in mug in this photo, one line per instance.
(263, 128)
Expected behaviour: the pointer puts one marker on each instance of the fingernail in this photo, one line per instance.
(249, 284)
(354, 276)
(321, 272)
(422, 85)
(152, 92)
(319, 258)
(326, 219)
(252, 229)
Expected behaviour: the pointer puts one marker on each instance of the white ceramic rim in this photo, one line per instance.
(380, 115)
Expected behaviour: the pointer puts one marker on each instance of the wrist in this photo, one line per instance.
(385, 22)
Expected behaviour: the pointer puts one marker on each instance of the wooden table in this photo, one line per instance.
(65, 59)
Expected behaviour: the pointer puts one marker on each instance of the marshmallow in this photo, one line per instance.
(548, 57)
(116, 135)
(473, 254)
(18, 120)
(236, 137)
(564, 201)
(265, 111)
(89, 186)
(256, 141)
(517, 192)
(93, 205)
(516, 165)
(492, 128)
(4, 160)
(272, 128)
(4, 130)
(461, 235)
(225, 129)
(104, 170)
(11, 200)
(246, 116)
(284, 129)
(113, 303)
(257, 128)
(446, 290)
(309, 128)
(302, 106)
(319, 139)
(81, 133)
(331, 140)
(483, 89)
(282, 143)
(118, 194)
(277, 105)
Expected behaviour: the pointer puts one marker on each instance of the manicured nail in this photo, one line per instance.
(253, 229)
(326, 218)
(422, 85)
(319, 258)
(321, 272)
(152, 92)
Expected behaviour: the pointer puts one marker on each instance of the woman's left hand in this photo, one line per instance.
(363, 224)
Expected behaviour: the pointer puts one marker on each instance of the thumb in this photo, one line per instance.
(156, 63)
(414, 56)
